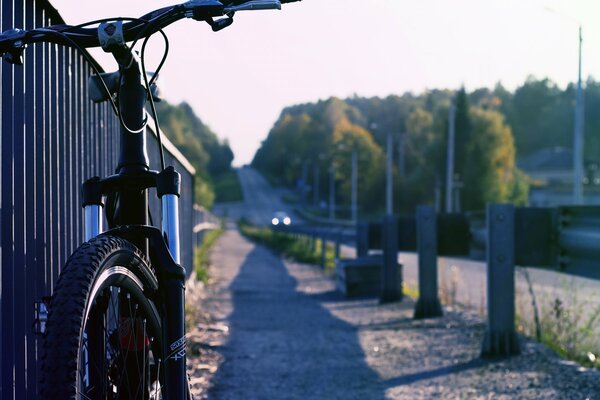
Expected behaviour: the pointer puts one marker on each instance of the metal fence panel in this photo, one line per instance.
(52, 138)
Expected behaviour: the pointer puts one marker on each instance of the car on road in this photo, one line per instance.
(281, 217)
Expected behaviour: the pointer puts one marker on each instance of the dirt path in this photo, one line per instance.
(289, 335)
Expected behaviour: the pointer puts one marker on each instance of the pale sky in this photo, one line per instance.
(238, 80)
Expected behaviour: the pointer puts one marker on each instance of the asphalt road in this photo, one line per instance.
(261, 201)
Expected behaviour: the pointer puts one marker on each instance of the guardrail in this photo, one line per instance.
(565, 239)
(204, 221)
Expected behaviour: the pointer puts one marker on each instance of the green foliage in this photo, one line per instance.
(297, 248)
(566, 323)
(490, 174)
(325, 134)
(228, 188)
(209, 156)
(202, 254)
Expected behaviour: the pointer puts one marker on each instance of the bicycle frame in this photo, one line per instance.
(130, 184)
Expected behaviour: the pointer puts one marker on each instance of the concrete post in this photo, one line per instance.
(362, 239)
(428, 305)
(323, 249)
(500, 338)
(391, 280)
(338, 239)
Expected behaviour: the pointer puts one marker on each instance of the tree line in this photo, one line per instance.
(210, 156)
(493, 126)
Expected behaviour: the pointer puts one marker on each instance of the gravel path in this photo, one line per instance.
(276, 329)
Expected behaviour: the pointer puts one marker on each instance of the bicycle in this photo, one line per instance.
(115, 328)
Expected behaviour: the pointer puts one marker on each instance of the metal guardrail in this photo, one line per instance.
(204, 221)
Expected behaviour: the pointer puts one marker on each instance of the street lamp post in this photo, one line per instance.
(578, 125)
(578, 136)
(332, 191)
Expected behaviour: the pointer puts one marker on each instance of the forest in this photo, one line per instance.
(210, 156)
(493, 128)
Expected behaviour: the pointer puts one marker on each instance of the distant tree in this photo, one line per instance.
(541, 115)
(350, 137)
(203, 149)
(490, 171)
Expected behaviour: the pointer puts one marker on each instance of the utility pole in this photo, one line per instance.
(316, 185)
(450, 159)
(389, 205)
(332, 192)
(401, 166)
(578, 137)
(354, 186)
(304, 182)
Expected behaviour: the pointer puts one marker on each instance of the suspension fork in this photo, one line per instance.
(92, 205)
(165, 256)
(168, 184)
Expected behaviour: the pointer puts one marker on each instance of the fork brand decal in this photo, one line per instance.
(177, 350)
(178, 343)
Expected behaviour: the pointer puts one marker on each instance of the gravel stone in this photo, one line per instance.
(277, 329)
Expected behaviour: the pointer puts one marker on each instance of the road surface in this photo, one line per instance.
(461, 281)
(260, 203)
(289, 335)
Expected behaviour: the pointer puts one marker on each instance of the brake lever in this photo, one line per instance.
(255, 5)
(221, 23)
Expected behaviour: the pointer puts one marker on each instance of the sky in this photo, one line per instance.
(238, 80)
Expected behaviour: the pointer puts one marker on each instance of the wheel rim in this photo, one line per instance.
(120, 349)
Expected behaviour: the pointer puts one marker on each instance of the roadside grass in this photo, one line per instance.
(299, 248)
(289, 198)
(410, 290)
(227, 188)
(202, 254)
(563, 322)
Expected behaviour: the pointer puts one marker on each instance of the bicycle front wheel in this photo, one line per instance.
(103, 338)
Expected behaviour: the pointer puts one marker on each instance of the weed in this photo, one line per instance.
(202, 253)
(300, 248)
(561, 321)
(449, 285)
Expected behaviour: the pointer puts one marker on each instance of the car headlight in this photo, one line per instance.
(275, 221)
(287, 221)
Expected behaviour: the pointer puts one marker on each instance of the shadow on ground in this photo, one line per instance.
(284, 345)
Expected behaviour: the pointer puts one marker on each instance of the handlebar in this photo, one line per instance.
(14, 41)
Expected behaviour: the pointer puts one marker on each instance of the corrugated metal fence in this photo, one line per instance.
(52, 138)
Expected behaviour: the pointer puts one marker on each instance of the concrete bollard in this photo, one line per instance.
(391, 278)
(338, 239)
(362, 239)
(428, 305)
(323, 249)
(500, 338)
